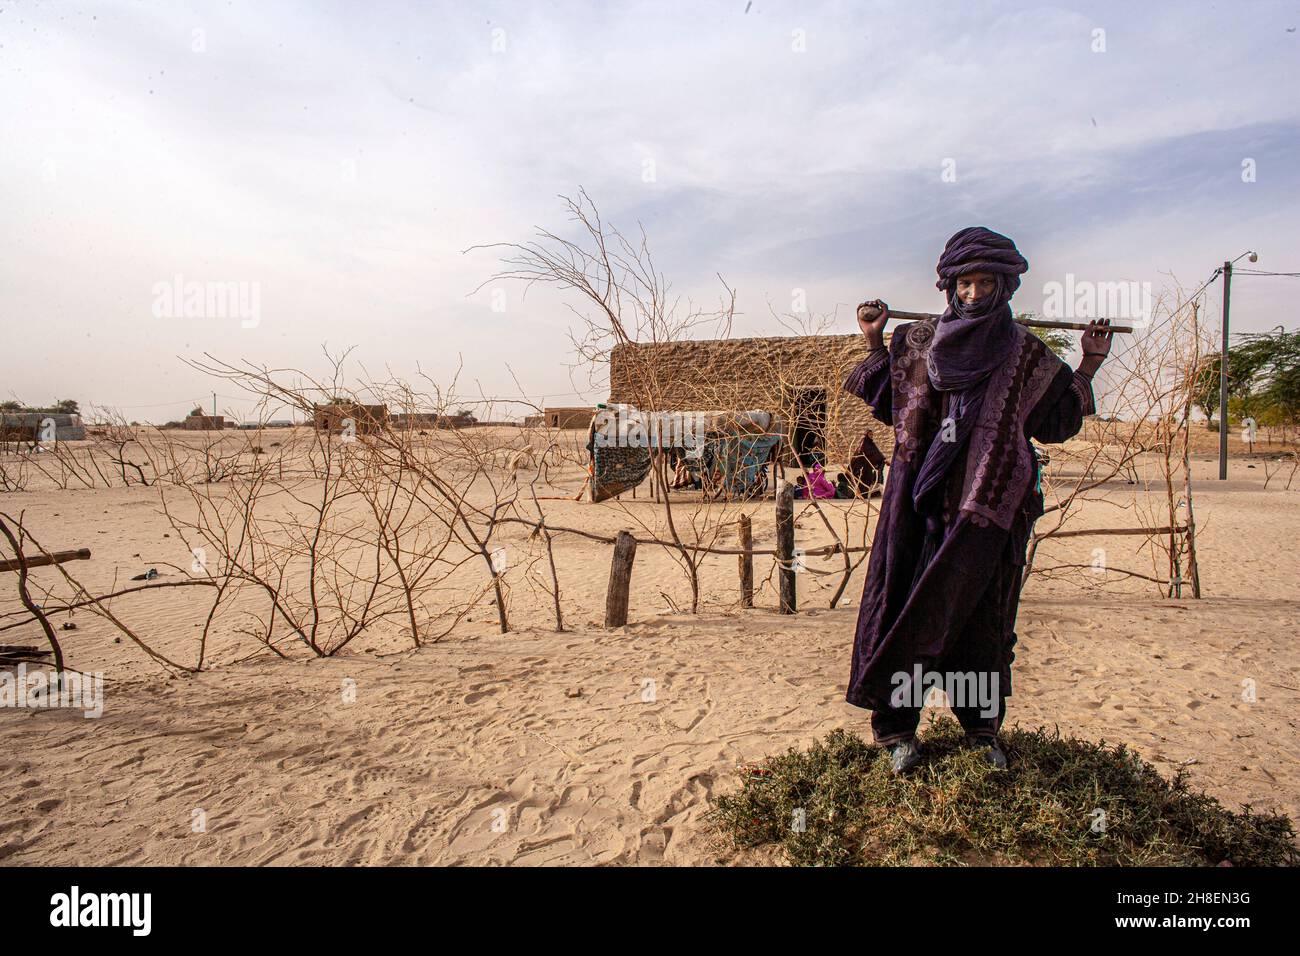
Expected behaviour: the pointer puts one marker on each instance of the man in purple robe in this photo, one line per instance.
(965, 394)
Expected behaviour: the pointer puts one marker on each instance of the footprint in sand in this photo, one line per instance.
(421, 833)
(477, 691)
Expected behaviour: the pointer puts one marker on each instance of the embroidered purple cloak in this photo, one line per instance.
(957, 610)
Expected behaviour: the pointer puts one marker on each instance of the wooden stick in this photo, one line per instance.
(785, 546)
(25, 596)
(1083, 532)
(746, 561)
(896, 315)
(39, 560)
(620, 580)
(820, 550)
(825, 549)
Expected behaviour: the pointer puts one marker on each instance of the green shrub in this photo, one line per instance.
(955, 808)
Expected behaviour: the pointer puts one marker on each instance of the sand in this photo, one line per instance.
(594, 746)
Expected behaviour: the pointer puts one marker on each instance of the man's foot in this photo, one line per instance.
(904, 755)
(993, 751)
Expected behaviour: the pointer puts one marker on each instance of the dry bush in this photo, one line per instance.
(624, 298)
(1142, 444)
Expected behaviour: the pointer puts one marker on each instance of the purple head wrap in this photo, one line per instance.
(977, 249)
(971, 341)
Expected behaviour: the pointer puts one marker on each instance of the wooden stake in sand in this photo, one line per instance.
(746, 561)
(620, 580)
(785, 546)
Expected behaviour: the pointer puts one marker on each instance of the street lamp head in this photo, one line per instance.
(1254, 258)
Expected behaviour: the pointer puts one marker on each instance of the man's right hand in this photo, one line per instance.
(872, 317)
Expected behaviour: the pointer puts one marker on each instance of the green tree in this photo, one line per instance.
(1243, 371)
(1275, 359)
(1058, 340)
(1263, 379)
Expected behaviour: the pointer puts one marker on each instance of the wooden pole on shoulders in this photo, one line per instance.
(897, 315)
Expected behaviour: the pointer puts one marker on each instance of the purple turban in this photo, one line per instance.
(977, 249)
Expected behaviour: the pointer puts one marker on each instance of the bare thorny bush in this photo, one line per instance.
(327, 537)
(1141, 445)
(120, 455)
(624, 298)
(64, 594)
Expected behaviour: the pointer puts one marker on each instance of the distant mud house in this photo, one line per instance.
(203, 423)
(349, 416)
(800, 378)
(567, 417)
(570, 417)
(37, 426)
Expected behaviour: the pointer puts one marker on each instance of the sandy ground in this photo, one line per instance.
(595, 746)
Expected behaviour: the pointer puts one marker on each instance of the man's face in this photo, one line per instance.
(977, 285)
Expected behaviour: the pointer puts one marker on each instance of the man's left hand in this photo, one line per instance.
(1096, 341)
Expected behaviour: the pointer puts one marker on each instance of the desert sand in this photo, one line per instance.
(597, 746)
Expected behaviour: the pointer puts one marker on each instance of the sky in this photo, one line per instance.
(340, 162)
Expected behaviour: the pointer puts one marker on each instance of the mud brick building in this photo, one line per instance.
(26, 426)
(569, 417)
(799, 378)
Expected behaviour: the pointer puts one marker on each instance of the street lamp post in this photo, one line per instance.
(1223, 366)
(1223, 375)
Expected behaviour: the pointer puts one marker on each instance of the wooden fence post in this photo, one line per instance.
(785, 546)
(1193, 568)
(620, 580)
(746, 563)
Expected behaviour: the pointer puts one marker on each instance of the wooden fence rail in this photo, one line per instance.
(40, 560)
